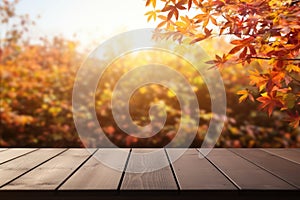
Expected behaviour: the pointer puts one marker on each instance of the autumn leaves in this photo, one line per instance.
(265, 32)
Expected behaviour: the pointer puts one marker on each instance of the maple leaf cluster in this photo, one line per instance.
(264, 32)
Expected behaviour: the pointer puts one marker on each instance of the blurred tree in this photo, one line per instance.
(35, 84)
(13, 26)
(37, 77)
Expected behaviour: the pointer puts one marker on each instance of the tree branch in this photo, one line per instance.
(268, 58)
(294, 2)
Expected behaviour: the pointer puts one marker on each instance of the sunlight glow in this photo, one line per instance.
(91, 21)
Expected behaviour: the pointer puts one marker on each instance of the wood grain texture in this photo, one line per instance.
(295, 149)
(288, 154)
(49, 175)
(102, 171)
(194, 172)
(11, 154)
(287, 170)
(20, 165)
(245, 174)
(75, 170)
(143, 161)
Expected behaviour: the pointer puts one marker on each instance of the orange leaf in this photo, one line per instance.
(245, 94)
(294, 119)
(151, 1)
(236, 42)
(236, 49)
(110, 130)
(198, 39)
(190, 4)
(252, 50)
(243, 54)
(180, 4)
(166, 8)
(214, 21)
(161, 24)
(268, 103)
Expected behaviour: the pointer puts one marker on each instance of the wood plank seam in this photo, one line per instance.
(19, 156)
(32, 168)
(295, 149)
(264, 168)
(74, 171)
(124, 171)
(279, 156)
(221, 171)
(172, 170)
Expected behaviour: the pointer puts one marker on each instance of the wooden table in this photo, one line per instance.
(77, 174)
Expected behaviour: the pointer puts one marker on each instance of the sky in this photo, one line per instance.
(92, 21)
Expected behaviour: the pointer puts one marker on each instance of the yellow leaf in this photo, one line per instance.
(152, 14)
(234, 130)
(261, 87)
(45, 106)
(55, 111)
(153, 2)
(265, 94)
(71, 46)
(185, 19)
(245, 94)
(142, 90)
(180, 24)
(171, 94)
(292, 67)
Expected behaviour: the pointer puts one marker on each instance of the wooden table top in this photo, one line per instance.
(76, 174)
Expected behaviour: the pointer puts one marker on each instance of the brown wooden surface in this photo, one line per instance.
(21, 165)
(245, 174)
(199, 174)
(289, 154)
(81, 173)
(49, 175)
(282, 168)
(11, 154)
(97, 175)
(156, 180)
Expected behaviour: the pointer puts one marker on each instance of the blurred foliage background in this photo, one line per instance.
(36, 96)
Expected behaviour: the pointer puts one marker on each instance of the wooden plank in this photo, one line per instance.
(288, 154)
(194, 172)
(287, 170)
(142, 161)
(295, 149)
(245, 174)
(102, 171)
(49, 175)
(3, 149)
(11, 154)
(19, 166)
